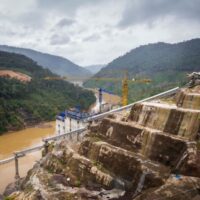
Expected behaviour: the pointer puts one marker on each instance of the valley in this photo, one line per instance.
(100, 100)
(31, 96)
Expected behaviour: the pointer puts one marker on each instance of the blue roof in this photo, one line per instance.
(60, 118)
(62, 114)
(74, 114)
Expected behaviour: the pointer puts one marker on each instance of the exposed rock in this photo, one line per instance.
(175, 188)
(12, 187)
(188, 98)
(194, 79)
(167, 118)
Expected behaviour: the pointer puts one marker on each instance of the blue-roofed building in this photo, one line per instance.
(69, 120)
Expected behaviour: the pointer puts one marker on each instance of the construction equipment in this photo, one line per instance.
(101, 90)
(100, 99)
(125, 89)
(124, 80)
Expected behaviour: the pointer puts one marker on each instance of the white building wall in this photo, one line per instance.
(67, 124)
(74, 124)
(64, 127)
(60, 127)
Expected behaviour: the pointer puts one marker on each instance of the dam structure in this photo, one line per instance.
(151, 153)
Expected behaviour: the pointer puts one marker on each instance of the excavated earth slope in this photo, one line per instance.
(152, 154)
(15, 75)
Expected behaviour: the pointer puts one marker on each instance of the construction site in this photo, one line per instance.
(145, 150)
(100, 100)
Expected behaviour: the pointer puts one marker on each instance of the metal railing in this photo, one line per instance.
(160, 95)
(45, 145)
(7, 160)
(63, 135)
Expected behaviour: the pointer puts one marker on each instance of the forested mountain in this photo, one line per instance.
(39, 100)
(166, 64)
(56, 64)
(94, 68)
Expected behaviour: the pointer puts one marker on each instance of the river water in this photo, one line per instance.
(19, 140)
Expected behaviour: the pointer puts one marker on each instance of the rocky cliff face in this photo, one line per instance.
(150, 154)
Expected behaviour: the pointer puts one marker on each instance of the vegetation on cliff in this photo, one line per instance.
(23, 104)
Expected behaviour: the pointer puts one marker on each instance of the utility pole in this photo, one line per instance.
(100, 100)
(16, 167)
(70, 124)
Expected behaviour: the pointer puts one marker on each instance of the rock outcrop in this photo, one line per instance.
(150, 154)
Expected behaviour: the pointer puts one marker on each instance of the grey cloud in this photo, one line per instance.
(65, 22)
(92, 38)
(6, 31)
(33, 19)
(47, 25)
(148, 11)
(66, 6)
(59, 40)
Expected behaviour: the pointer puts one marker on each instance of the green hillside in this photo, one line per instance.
(24, 104)
(166, 64)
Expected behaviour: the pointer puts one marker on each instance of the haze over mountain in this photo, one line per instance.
(166, 64)
(56, 64)
(94, 68)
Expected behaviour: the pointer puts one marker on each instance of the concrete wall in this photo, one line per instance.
(64, 126)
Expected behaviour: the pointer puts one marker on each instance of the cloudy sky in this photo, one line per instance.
(96, 31)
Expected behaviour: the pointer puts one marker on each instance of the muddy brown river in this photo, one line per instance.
(19, 140)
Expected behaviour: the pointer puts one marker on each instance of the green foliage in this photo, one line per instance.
(38, 100)
(9, 198)
(198, 145)
(165, 64)
(77, 183)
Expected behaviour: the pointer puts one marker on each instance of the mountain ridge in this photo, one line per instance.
(166, 64)
(57, 64)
